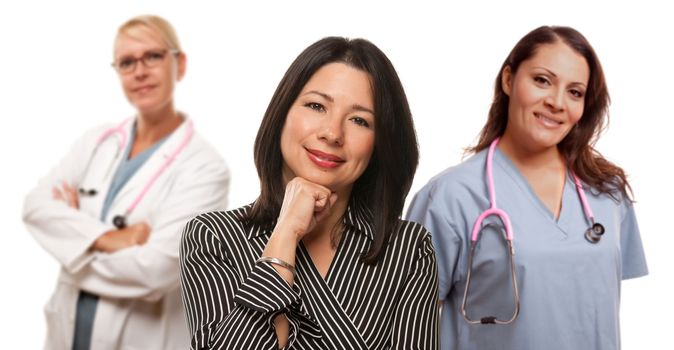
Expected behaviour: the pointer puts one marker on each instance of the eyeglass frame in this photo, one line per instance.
(142, 59)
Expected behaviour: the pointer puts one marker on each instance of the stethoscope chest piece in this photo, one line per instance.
(594, 233)
(119, 221)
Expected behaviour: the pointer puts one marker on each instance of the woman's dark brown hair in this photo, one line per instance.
(382, 188)
(578, 146)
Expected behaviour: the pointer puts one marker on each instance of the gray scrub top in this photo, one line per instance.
(569, 288)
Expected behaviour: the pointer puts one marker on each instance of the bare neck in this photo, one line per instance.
(530, 159)
(543, 169)
(153, 127)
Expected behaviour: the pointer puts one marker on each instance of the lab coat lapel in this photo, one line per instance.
(103, 159)
(339, 330)
(130, 191)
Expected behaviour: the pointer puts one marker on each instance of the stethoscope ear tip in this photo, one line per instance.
(89, 192)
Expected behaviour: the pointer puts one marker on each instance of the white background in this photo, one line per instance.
(56, 82)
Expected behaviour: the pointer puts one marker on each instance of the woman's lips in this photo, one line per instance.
(547, 121)
(325, 160)
(143, 89)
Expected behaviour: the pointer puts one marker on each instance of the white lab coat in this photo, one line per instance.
(140, 306)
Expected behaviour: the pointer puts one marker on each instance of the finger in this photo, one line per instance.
(333, 198)
(141, 227)
(68, 189)
(73, 198)
(304, 196)
(325, 211)
(321, 198)
(140, 239)
(143, 233)
(144, 227)
(56, 193)
(288, 197)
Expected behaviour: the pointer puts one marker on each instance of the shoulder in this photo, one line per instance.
(411, 230)
(200, 147)
(201, 157)
(458, 177)
(222, 222)
(413, 238)
(455, 183)
(93, 134)
(218, 233)
(615, 198)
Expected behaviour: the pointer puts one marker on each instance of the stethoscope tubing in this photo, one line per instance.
(492, 211)
(593, 235)
(169, 160)
(120, 220)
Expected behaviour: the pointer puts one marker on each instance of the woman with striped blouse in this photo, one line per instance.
(321, 260)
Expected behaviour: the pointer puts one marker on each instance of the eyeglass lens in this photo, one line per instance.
(149, 59)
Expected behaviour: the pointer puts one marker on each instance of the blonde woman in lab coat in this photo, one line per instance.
(112, 211)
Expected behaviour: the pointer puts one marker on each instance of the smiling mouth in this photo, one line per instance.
(324, 160)
(546, 120)
(143, 89)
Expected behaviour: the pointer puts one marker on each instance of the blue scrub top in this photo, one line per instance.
(569, 288)
(127, 168)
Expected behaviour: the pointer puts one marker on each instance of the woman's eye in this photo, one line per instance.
(541, 80)
(576, 93)
(315, 106)
(126, 62)
(360, 121)
(154, 56)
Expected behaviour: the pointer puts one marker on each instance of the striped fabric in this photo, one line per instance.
(231, 301)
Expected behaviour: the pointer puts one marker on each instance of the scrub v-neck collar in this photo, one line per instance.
(568, 194)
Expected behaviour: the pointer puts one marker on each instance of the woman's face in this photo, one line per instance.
(328, 136)
(547, 96)
(149, 89)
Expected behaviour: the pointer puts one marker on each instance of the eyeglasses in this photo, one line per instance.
(150, 59)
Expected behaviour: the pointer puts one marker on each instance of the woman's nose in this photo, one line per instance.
(140, 71)
(331, 131)
(555, 100)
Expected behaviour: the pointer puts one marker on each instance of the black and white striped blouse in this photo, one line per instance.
(231, 301)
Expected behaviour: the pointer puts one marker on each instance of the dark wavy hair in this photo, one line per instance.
(384, 184)
(578, 146)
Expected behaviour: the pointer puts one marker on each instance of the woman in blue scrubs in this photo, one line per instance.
(550, 103)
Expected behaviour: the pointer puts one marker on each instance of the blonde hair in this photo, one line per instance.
(154, 23)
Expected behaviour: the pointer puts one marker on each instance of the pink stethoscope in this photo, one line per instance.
(120, 220)
(592, 234)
